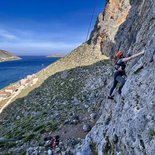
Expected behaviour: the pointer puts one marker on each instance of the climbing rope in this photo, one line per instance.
(91, 20)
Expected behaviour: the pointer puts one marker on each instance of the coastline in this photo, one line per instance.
(10, 59)
(65, 63)
(40, 76)
(13, 90)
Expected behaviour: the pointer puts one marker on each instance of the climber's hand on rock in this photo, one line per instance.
(142, 52)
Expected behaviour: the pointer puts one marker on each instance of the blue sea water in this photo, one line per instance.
(13, 71)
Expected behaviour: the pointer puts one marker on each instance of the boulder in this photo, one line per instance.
(86, 127)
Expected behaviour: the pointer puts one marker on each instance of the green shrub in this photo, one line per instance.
(93, 148)
(152, 133)
(51, 127)
(29, 137)
(38, 128)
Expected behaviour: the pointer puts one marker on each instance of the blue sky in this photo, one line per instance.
(42, 27)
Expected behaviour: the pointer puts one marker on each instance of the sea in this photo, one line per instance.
(13, 71)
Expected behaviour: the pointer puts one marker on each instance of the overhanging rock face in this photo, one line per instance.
(127, 126)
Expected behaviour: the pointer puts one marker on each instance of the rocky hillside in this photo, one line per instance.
(127, 125)
(74, 95)
(7, 56)
(65, 101)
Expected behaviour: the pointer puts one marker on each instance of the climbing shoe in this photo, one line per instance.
(110, 97)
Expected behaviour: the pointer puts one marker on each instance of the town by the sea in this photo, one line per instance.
(13, 71)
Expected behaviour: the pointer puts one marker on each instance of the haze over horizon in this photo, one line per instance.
(42, 28)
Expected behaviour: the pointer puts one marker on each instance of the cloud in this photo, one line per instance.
(7, 35)
(38, 47)
(34, 42)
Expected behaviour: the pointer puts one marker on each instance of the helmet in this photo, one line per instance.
(119, 54)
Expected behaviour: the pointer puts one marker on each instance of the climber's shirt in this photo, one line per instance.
(119, 68)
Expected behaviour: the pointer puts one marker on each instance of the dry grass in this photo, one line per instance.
(84, 55)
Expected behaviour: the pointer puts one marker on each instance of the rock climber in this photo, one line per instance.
(119, 73)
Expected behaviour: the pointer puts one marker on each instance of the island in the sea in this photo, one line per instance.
(56, 55)
(7, 56)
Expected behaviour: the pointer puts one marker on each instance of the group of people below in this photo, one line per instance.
(119, 73)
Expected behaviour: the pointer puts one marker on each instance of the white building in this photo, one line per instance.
(4, 95)
(22, 82)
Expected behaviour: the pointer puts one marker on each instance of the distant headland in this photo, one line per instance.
(7, 56)
(56, 55)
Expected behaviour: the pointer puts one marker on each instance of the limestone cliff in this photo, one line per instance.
(127, 125)
(7, 56)
(108, 24)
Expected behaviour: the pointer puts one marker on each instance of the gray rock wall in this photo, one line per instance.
(127, 125)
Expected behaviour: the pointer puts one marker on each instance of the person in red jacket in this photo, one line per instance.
(55, 142)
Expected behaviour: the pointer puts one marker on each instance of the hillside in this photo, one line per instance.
(69, 86)
(7, 56)
(71, 98)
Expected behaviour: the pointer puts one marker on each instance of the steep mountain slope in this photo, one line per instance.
(55, 105)
(83, 55)
(127, 126)
(5, 56)
(68, 93)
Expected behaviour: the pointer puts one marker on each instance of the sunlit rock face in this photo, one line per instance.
(108, 23)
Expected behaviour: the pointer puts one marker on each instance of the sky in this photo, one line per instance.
(43, 27)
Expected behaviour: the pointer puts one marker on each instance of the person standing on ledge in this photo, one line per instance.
(119, 73)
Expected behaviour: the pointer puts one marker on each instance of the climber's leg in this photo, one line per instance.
(122, 81)
(112, 89)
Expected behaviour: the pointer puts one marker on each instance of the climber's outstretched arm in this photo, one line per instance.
(133, 56)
